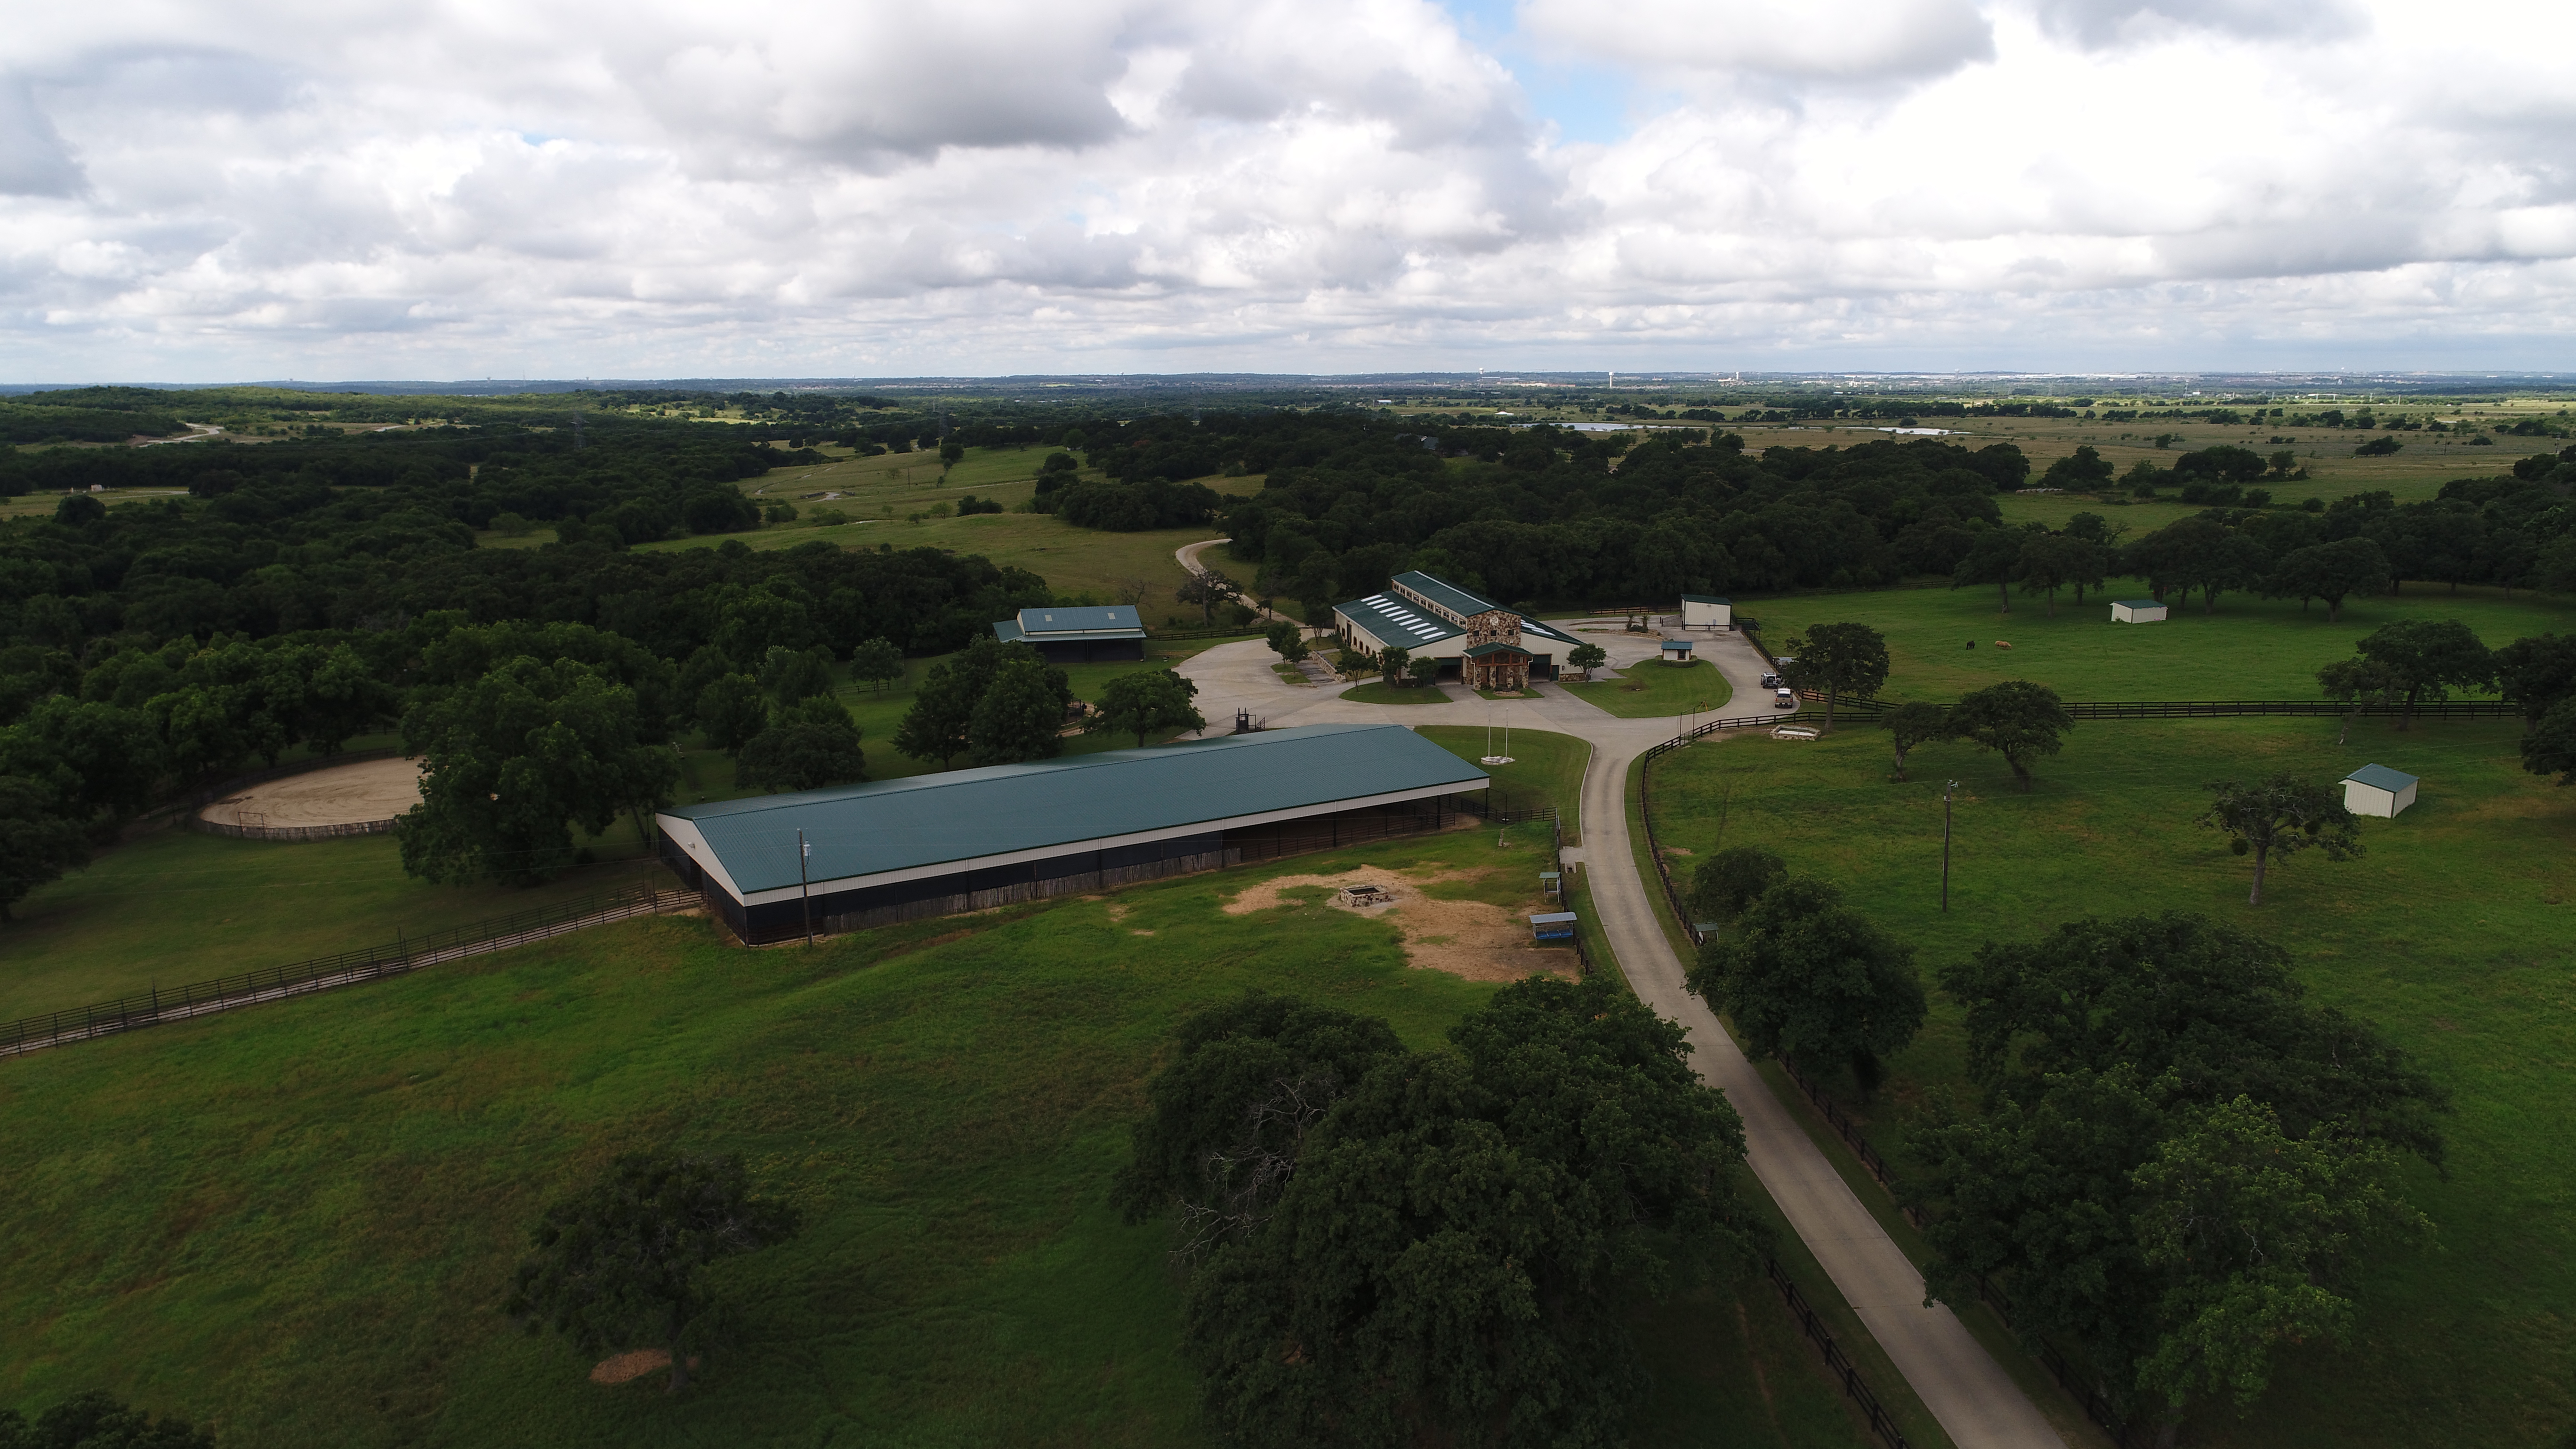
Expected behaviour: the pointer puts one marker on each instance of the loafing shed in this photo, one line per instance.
(965, 840)
(2378, 790)
(2137, 611)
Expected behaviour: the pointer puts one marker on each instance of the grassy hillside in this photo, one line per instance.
(295, 1222)
(2250, 648)
(2451, 934)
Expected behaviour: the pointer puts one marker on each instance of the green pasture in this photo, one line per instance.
(2450, 934)
(2251, 648)
(1652, 689)
(1546, 772)
(887, 500)
(175, 907)
(294, 1224)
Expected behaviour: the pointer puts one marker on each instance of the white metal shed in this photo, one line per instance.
(2137, 611)
(2378, 790)
(1699, 611)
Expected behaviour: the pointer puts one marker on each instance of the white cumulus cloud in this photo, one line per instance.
(563, 187)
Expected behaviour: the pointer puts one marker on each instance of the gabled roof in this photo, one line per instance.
(2383, 778)
(960, 815)
(1676, 646)
(1479, 651)
(2136, 604)
(1446, 595)
(1117, 621)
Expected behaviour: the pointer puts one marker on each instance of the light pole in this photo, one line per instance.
(805, 892)
(1945, 844)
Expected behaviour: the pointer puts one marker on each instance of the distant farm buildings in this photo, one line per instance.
(776, 866)
(2378, 790)
(1077, 636)
(1492, 647)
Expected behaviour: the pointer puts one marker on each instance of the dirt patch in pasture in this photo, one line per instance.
(369, 790)
(626, 1368)
(1477, 940)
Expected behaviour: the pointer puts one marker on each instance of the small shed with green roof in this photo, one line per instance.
(2378, 790)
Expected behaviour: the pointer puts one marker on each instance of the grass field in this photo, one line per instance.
(216, 907)
(2252, 648)
(1652, 689)
(882, 495)
(1546, 772)
(2451, 934)
(294, 1224)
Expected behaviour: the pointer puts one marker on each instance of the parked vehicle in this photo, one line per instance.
(1770, 681)
(1784, 699)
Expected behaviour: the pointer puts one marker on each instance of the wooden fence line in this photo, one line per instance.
(1835, 1359)
(204, 826)
(322, 973)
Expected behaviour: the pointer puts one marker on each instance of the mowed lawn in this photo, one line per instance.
(295, 1224)
(1652, 688)
(1546, 772)
(2451, 934)
(2251, 648)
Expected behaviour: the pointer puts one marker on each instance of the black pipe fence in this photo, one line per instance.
(346, 968)
(2222, 708)
(1836, 1360)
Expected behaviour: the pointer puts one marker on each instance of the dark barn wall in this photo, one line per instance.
(1092, 651)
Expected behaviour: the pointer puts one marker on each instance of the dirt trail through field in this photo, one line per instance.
(343, 795)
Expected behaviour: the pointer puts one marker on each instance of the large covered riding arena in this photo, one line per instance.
(776, 867)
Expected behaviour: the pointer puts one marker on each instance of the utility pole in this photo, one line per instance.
(806, 891)
(1945, 844)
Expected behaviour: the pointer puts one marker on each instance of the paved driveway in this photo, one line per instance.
(1975, 1400)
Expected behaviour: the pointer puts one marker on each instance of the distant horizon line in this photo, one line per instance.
(1598, 376)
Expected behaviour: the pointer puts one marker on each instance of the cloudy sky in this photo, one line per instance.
(570, 188)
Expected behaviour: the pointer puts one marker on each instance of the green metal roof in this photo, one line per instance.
(960, 815)
(1706, 599)
(1118, 621)
(2382, 777)
(1447, 595)
(1479, 651)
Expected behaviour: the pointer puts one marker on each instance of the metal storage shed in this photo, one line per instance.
(2378, 790)
(1077, 636)
(2137, 611)
(1701, 611)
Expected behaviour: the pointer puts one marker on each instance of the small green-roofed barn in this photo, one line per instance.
(2378, 790)
(1077, 635)
(969, 839)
